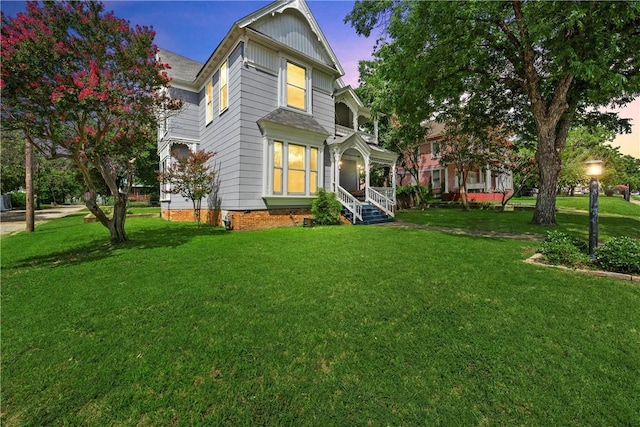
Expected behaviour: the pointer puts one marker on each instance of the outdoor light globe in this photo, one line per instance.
(594, 168)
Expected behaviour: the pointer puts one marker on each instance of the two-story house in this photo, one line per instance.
(270, 102)
(483, 185)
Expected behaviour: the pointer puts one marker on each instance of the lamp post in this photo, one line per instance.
(594, 170)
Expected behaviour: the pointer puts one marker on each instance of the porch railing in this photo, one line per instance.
(350, 203)
(383, 198)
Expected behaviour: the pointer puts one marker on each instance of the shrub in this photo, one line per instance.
(620, 254)
(326, 208)
(561, 249)
(18, 199)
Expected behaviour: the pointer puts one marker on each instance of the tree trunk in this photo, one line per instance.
(30, 214)
(549, 165)
(116, 226)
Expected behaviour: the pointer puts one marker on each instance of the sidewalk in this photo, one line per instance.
(14, 220)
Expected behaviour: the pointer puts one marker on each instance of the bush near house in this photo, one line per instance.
(326, 208)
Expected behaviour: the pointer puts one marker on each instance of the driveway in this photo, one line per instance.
(14, 220)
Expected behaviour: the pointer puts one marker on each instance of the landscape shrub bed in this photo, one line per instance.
(618, 255)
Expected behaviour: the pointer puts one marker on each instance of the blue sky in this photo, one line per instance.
(194, 28)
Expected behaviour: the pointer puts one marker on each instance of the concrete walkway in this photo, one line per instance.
(464, 231)
(15, 220)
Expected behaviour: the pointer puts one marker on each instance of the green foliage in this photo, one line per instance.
(191, 177)
(560, 249)
(620, 254)
(533, 67)
(326, 208)
(18, 199)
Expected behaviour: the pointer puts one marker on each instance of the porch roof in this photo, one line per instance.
(293, 119)
(374, 152)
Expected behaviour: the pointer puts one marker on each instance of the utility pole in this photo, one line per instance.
(30, 215)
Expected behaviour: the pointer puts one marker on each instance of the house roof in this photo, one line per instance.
(193, 72)
(300, 5)
(294, 119)
(182, 68)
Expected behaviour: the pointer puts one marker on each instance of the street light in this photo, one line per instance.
(594, 170)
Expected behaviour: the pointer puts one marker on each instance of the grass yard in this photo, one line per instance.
(615, 218)
(366, 325)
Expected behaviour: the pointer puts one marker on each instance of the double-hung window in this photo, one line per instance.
(224, 88)
(296, 86)
(209, 102)
(295, 169)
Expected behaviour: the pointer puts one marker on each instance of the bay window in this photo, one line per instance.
(294, 170)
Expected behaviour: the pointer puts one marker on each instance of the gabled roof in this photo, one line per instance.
(182, 68)
(300, 5)
(242, 28)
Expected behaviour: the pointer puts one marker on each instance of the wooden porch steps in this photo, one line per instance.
(370, 215)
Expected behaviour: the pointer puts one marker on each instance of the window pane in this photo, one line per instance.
(296, 76)
(209, 101)
(296, 157)
(223, 74)
(314, 159)
(223, 86)
(313, 182)
(296, 86)
(295, 182)
(277, 154)
(296, 97)
(277, 180)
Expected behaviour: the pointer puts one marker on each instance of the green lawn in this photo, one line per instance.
(615, 218)
(314, 326)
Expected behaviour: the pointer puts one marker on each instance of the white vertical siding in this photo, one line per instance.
(262, 57)
(322, 81)
(292, 29)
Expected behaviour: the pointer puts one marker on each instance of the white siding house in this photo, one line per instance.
(266, 103)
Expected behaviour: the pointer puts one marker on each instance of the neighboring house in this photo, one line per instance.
(270, 102)
(483, 185)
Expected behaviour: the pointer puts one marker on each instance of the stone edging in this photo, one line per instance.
(536, 259)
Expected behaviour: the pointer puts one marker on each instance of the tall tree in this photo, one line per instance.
(82, 84)
(534, 66)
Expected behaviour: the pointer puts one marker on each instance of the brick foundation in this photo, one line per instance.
(245, 220)
(211, 217)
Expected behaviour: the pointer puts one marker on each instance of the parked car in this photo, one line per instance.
(529, 192)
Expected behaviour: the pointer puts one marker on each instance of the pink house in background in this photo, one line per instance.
(483, 185)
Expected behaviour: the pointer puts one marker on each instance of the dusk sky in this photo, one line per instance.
(194, 29)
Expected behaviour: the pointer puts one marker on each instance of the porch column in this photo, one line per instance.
(375, 130)
(393, 181)
(446, 179)
(367, 165)
(488, 184)
(335, 170)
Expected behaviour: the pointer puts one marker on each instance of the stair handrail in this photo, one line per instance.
(350, 203)
(381, 201)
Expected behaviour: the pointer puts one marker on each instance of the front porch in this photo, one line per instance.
(354, 164)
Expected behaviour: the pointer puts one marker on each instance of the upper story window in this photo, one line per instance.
(224, 88)
(296, 92)
(435, 150)
(209, 102)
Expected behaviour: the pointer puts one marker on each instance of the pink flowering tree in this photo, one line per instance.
(84, 85)
(191, 177)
